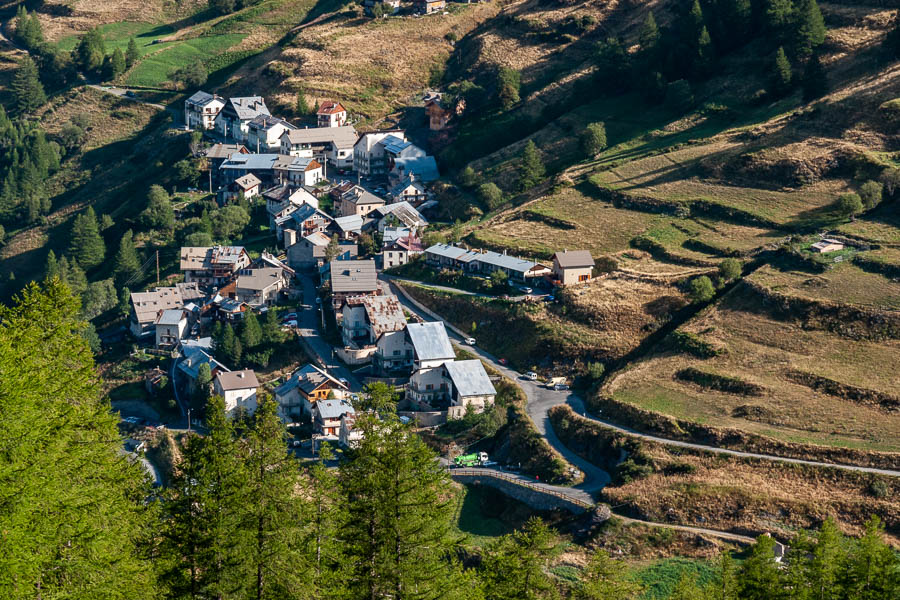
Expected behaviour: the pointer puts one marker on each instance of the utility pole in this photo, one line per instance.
(157, 268)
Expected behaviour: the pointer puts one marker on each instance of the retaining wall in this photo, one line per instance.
(537, 497)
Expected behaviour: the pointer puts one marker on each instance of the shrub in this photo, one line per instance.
(689, 343)
(593, 139)
(605, 264)
(730, 268)
(870, 193)
(490, 195)
(849, 204)
(701, 289)
(879, 489)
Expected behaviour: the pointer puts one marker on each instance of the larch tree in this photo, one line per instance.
(251, 332)
(514, 565)
(397, 538)
(127, 264)
(271, 538)
(132, 54)
(531, 167)
(606, 579)
(86, 245)
(72, 506)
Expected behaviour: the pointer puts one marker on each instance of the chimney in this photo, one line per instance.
(290, 238)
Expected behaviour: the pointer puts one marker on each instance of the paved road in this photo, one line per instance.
(541, 400)
(453, 290)
(308, 327)
(595, 478)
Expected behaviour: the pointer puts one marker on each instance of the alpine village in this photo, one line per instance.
(450, 299)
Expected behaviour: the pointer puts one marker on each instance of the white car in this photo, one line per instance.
(291, 323)
(531, 375)
(527, 290)
(470, 341)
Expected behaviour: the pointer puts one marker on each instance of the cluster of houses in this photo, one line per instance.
(264, 158)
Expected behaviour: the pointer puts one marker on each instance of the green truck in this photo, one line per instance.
(476, 459)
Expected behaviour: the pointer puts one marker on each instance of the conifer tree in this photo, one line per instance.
(301, 105)
(251, 332)
(649, 37)
(781, 76)
(706, 54)
(271, 539)
(132, 54)
(230, 348)
(759, 575)
(51, 268)
(324, 517)
(514, 566)
(72, 509)
(90, 52)
(606, 579)
(397, 535)
(815, 80)
(872, 569)
(531, 167)
(271, 330)
(127, 264)
(809, 27)
(778, 15)
(27, 90)
(86, 246)
(117, 63)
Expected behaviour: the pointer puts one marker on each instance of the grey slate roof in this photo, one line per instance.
(247, 181)
(307, 378)
(406, 214)
(224, 150)
(430, 340)
(248, 107)
(258, 279)
(341, 137)
(353, 276)
(201, 98)
(334, 409)
(469, 378)
(392, 234)
(237, 380)
(394, 144)
(264, 122)
(194, 357)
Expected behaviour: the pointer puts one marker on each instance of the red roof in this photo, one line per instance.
(329, 107)
(410, 243)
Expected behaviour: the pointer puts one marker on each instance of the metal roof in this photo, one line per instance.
(403, 185)
(424, 167)
(469, 378)
(148, 304)
(247, 181)
(351, 223)
(353, 276)
(405, 212)
(506, 261)
(201, 98)
(568, 259)
(392, 234)
(333, 409)
(237, 380)
(225, 150)
(250, 162)
(194, 357)
(430, 340)
(171, 316)
(446, 250)
(395, 145)
(265, 122)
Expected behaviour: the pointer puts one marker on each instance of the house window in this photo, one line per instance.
(429, 387)
(396, 353)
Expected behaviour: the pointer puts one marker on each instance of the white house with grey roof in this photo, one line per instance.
(366, 318)
(369, 156)
(572, 266)
(238, 388)
(298, 171)
(201, 110)
(147, 306)
(233, 120)
(333, 145)
(260, 287)
(264, 133)
(171, 327)
(484, 262)
(470, 385)
(327, 415)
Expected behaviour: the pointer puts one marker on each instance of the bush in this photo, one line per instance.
(605, 264)
(701, 289)
(490, 195)
(593, 139)
(870, 193)
(730, 268)
(879, 489)
(849, 204)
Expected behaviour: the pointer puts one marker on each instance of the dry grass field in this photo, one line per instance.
(845, 283)
(754, 496)
(769, 354)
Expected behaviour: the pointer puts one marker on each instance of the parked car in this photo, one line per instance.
(130, 94)
(503, 361)
(559, 387)
(290, 316)
(344, 381)
(526, 289)
(289, 323)
(531, 375)
(470, 341)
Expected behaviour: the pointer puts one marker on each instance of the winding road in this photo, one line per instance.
(541, 400)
